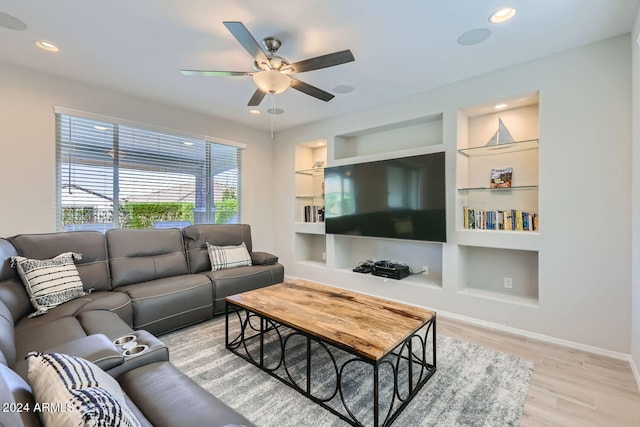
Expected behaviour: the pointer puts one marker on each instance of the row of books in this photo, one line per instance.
(476, 219)
(313, 213)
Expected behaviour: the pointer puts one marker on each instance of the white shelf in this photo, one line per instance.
(314, 264)
(373, 142)
(492, 150)
(309, 227)
(518, 240)
(415, 279)
(500, 297)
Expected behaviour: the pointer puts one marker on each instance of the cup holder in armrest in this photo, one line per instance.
(135, 350)
(143, 349)
(123, 340)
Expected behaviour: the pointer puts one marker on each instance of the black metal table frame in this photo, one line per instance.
(403, 352)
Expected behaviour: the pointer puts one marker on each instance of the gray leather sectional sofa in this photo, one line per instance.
(140, 282)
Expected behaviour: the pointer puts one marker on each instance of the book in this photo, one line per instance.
(501, 178)
(508, 220)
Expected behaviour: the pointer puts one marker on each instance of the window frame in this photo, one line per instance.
(209, 143)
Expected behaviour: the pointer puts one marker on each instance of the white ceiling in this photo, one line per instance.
(401, 47)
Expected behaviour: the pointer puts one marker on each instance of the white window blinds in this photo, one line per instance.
(112, 175)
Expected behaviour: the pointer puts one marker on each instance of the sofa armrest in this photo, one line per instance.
(263, 258)
(96, 348)
(156, 352)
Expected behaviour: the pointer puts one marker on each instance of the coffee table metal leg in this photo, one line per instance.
(392, 380)
(376, 396)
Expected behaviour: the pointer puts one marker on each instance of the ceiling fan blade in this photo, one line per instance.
(324, 61)
(311, 90)
(244, 37)
(256, 99)
(214, 73)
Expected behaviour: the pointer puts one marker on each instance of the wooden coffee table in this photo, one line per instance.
(322, 340)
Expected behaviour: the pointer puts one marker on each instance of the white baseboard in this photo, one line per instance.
(534, 335)
(549, 339)
(634, 368)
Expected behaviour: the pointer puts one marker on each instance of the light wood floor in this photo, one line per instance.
(569, 387)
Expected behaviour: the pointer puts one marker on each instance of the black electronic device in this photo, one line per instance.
(390, 269)
(402, 198)
(364, 267)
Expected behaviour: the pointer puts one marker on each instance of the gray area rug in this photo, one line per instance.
(473, 385)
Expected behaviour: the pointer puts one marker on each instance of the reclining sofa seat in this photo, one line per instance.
(264, 270)
(150, 266)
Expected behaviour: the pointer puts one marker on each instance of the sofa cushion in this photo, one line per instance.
(40, 336)
(88, 396)
(173, 302)
(50, 282)
(15, 390)
(143, 255)
(222, 257)
(49, 331)
(189, 406)
(93, 268)
(263, 258)
(103, 322)
(241, 279)
(138, 413)
(197, 236)
(12, 292)
(115, 302)
(7, 337)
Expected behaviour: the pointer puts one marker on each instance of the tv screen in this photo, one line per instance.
(401, 198)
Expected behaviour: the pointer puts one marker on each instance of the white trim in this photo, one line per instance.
(116, 120)
(534, 335)
(634, 369)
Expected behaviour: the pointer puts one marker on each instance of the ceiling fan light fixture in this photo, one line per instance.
(272, 81)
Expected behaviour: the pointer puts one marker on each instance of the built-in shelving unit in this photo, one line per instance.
(351, 250)
(341, 253)
(398, 139)
(310, 240)
(498, 265)
(498, 261)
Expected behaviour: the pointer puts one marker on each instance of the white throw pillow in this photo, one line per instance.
(228, 256)
(50, 282)
(71, 391)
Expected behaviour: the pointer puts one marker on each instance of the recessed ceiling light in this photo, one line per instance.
(46, 45)
(321, 144)
(500, 106)
(502, 15)
(255, 112)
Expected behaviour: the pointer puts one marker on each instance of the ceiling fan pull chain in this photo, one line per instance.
(272, 111)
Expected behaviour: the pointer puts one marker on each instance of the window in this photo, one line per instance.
(112, 175)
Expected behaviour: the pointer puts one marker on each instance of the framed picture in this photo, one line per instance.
(501, 178)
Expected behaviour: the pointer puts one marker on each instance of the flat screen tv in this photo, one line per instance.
(401, 198)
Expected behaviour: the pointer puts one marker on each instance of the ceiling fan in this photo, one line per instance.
(272, 73)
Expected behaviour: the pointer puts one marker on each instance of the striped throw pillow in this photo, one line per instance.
(222, 257)
(50, 282)
(77, 392)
